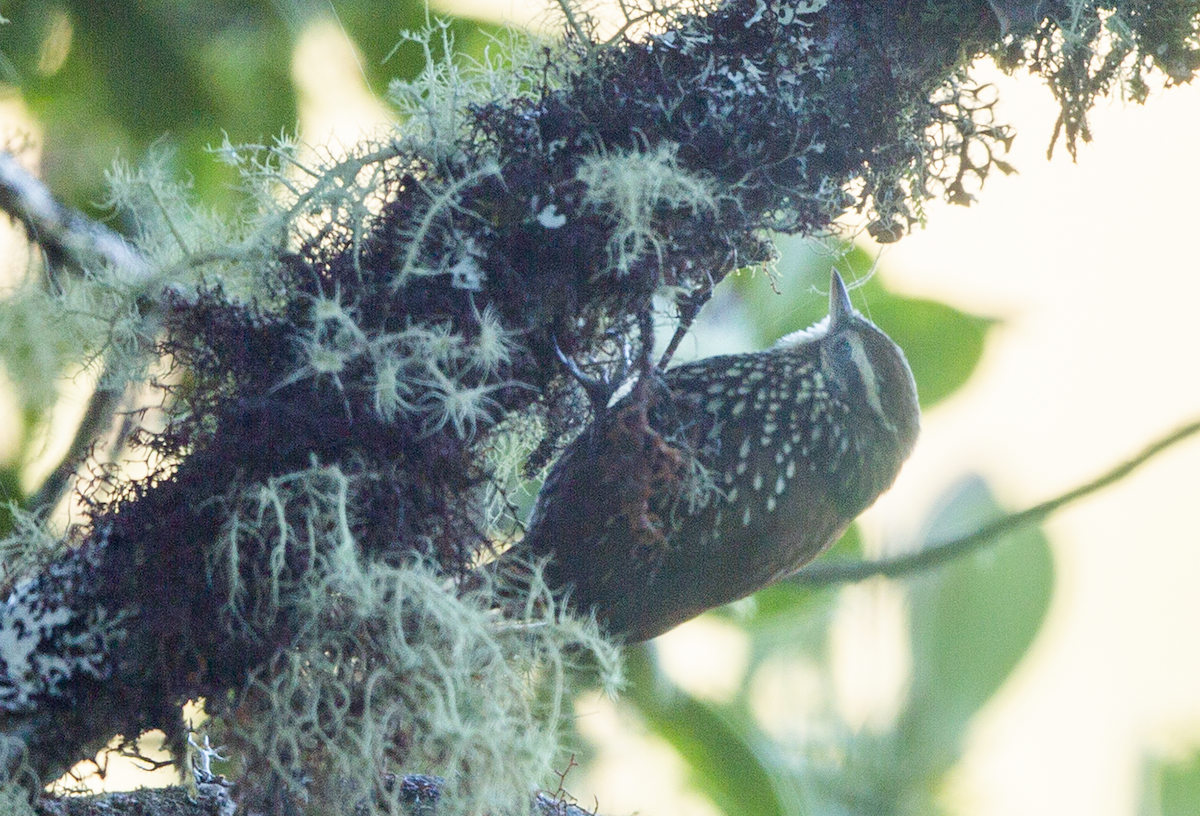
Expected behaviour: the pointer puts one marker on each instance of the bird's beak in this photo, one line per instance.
(840, 308)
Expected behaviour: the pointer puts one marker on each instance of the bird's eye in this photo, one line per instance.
(841, 350)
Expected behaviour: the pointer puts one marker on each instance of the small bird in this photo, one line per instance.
(726, 475)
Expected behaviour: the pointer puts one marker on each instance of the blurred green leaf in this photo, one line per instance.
(780, 616)
(943, 345)
(1172, 788)
(106, 80)
(734, 765)
(972, 620)
(109, 79)
(11, 495)
(849, 545)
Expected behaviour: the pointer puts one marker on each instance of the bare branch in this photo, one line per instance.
(848, 571)
(67, 234)
(71, 238)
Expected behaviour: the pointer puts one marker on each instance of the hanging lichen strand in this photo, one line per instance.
(360, 371)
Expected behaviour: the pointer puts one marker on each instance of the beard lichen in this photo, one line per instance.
(391, 667)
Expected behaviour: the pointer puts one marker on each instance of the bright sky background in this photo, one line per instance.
(1094, 268)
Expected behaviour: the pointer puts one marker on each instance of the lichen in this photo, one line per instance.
(390, 669)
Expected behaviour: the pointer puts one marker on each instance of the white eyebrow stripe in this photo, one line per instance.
(858, 356)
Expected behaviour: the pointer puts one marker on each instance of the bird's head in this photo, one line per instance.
(867, 375)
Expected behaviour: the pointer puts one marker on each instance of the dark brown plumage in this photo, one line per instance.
(731, 473)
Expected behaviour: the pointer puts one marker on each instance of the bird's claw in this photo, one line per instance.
(599, 389)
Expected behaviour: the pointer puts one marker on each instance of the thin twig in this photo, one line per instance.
(69, 235)
(70, 238)
(97, 418)
(576, 27)
(846, 571)
(688, 309)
